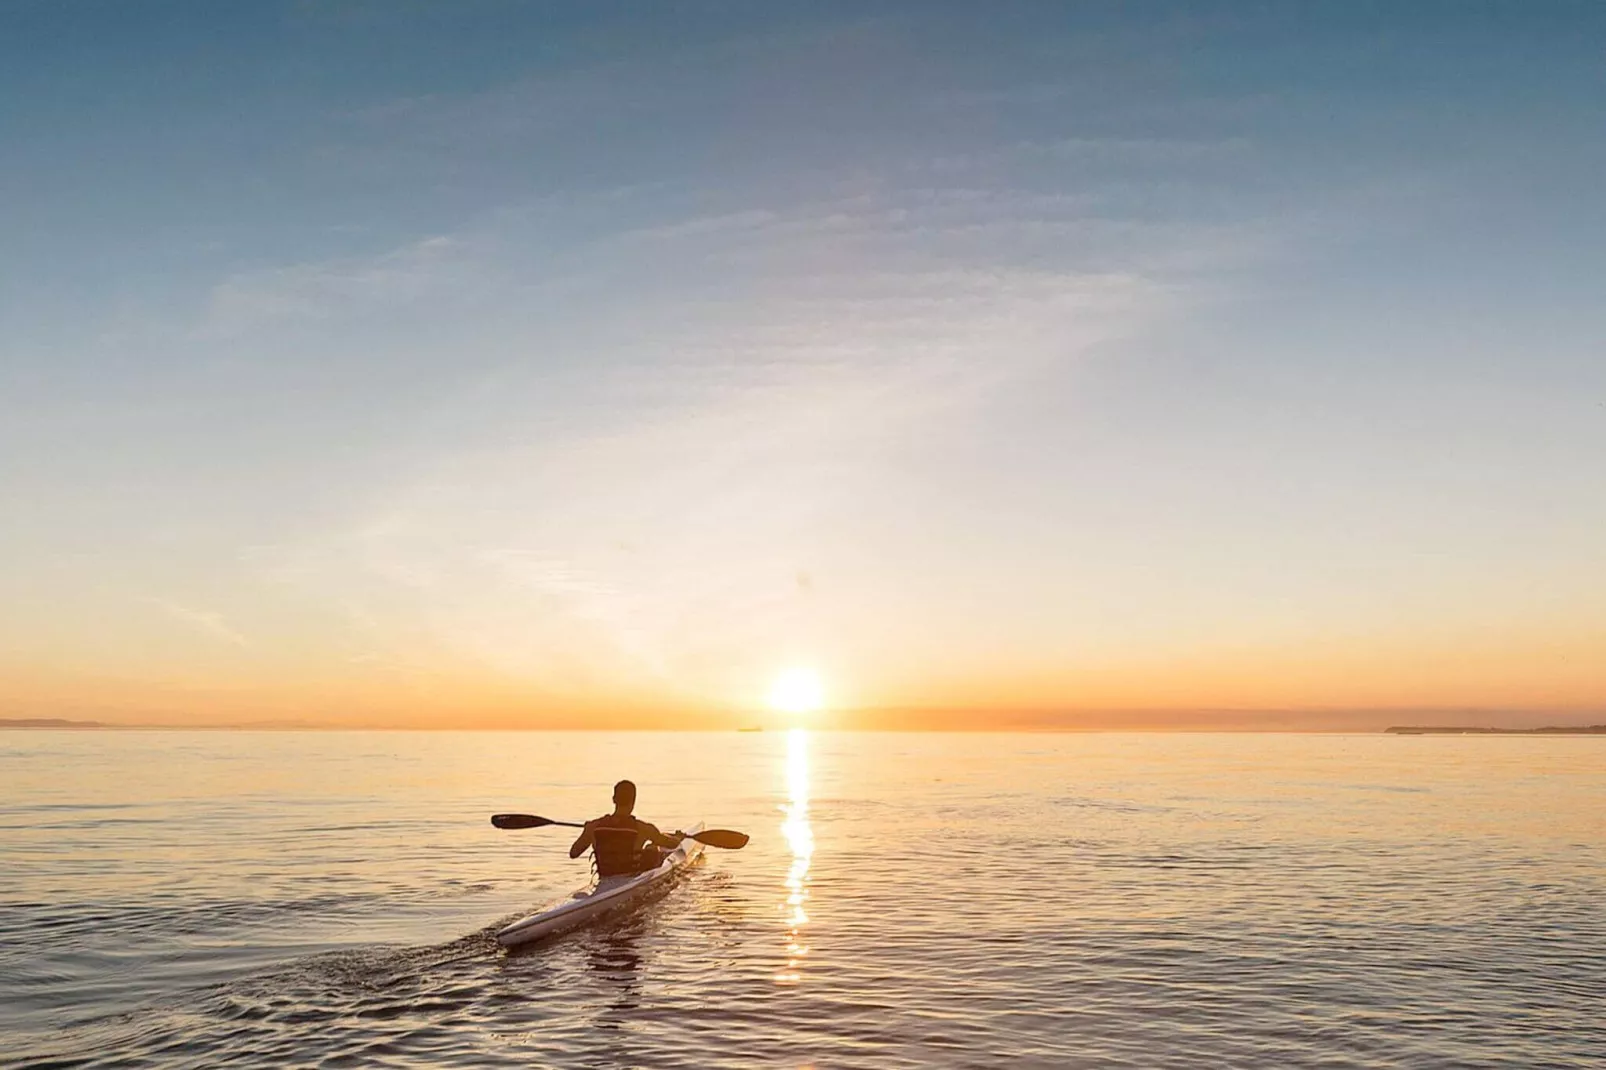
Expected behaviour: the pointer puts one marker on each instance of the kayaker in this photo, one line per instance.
(622, 843)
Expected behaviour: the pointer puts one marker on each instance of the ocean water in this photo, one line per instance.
(328, 899)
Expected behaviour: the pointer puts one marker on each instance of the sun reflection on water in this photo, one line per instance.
(800, 837)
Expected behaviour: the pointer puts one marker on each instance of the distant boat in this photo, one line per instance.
(752, 728)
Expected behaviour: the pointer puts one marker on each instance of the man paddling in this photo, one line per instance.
(621, 842)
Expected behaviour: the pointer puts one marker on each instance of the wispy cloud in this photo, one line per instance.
(740, 428)
(325, 290)
(740, 378)
(207, 622)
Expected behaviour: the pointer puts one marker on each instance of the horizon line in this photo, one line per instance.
(68, 725)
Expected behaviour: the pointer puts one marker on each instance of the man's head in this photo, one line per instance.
(624, 796)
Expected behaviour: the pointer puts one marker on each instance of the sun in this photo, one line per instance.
(797, 690)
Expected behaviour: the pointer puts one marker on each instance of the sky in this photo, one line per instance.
(493, 364)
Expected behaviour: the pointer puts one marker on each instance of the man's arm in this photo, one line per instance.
(582, 842)
(659, 839)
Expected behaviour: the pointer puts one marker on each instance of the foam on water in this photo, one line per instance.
(192, 899)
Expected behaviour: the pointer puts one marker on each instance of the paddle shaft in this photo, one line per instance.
(724, 838)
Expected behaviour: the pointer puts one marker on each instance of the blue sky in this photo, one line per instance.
(618, 357)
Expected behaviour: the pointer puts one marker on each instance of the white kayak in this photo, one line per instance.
(601, 897)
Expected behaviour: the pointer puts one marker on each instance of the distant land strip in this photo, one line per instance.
(64, 723)
(1553, 730)
(48, 722)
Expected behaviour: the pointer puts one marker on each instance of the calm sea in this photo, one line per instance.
(300, 899)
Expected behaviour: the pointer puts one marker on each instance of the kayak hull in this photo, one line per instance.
(601, 898)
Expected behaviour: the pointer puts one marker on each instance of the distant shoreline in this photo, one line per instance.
(1552, 730)
(49, 722)
(62, 724)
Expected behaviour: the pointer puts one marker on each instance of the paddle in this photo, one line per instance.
(725, 838)
(528, 821)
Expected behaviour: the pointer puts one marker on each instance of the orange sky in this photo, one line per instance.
(1483, 679)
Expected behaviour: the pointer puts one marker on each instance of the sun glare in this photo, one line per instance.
(797, 691)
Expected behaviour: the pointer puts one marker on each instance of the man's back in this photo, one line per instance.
(620, 842)
(616, 843)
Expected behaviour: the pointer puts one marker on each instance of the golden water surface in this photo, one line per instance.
(198, 899)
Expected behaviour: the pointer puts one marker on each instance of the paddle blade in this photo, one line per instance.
(520, 821)
(729, 840)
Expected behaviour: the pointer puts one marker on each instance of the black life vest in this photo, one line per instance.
(615, 845)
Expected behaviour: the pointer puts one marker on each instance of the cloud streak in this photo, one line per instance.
(736, 431)
(205, 621)
(326, 290)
